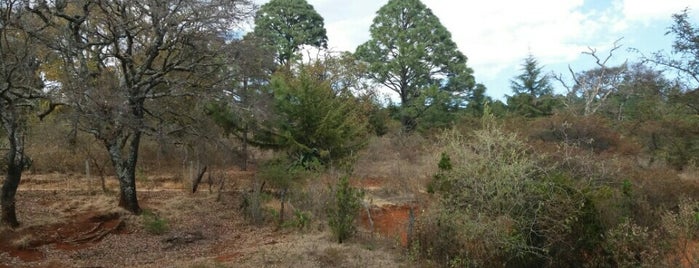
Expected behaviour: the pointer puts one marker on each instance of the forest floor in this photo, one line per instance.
(67, 222)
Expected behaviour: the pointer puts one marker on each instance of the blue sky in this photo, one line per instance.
(496, 35)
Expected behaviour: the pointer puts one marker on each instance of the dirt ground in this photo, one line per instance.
(70, 223)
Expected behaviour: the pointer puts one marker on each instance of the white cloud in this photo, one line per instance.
(647, 11)
(497, 34)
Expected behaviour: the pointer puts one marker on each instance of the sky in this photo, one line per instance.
(496, 35)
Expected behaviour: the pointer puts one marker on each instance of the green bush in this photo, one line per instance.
(301, 220)
(502, 205)
(154, 224)
(342, 213)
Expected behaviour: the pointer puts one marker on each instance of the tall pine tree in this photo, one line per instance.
(411, 53)
(533, 93)
(286, 25)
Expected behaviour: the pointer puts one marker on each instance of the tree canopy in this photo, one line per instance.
(121, 59)
(409, 52)
(531, 81)
(20, 88)
(286, 25)
(314, 121)
(532, 90)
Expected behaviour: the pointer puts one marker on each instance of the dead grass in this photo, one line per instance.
(318, 250)
(404, 163)
(229, 240)
(55, 199)
(23, 242)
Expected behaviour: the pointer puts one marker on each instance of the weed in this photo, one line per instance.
(302, 220)
(332, 257)
(342, 213)
(23, 242)
(154, 224)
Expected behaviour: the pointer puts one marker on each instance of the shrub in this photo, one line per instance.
(500, 204)
(342, 213)
(284, 174)
(154, 224)
(252, 203)
(682, 230)
(631, 245)
(588, 132)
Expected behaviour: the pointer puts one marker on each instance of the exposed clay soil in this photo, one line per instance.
(78, 233)
(390, 221)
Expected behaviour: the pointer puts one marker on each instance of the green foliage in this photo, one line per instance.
(642, 96)
(285, 175)
(412, 53)
(501, 204)
(342, 212)
(477, 101)
(444, 162)
(314, 122)
(438, 182)
(241, 108)
(531, 81)
(527, 105)
(286, 25)
(281, 172)
(379, 119)
(685, 48)
(153, 223)
(301, 220)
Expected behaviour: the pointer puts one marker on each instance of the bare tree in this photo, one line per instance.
(20, 87)
(594, 86)
(122, 58)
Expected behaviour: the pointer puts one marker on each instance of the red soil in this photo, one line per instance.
(84, 230)
(391, 221)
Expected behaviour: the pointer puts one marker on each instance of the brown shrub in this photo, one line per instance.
(593, 133)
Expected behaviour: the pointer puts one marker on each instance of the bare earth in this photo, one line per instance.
(63, 225)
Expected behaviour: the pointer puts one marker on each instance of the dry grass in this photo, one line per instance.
(319, 250)
(23, 242)
(404, 163)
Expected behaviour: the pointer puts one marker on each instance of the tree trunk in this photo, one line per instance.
(15, 164)
(245, 148)
(9, 189)
(281, 209)
(408, 123)
(245, 101)
(124, 162)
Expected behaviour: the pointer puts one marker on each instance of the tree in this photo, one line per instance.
(121, 58)
(20, 88)
(411, 52)
(286, 25)
(315, 121)
(593, 87)
(642, 96)
(342, 212)
(477, 101)
(240, 108)
(533, 94)
(531, 81)
(685, 56)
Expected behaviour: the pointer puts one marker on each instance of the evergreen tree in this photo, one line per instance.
(411, 53)
(286, 25)
(533, 93)
(314, 122)
(531, 81)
